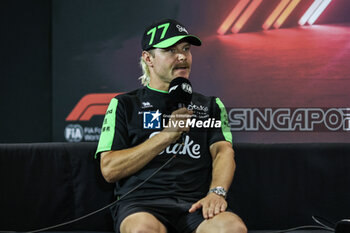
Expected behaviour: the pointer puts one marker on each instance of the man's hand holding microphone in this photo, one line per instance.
(180, 96)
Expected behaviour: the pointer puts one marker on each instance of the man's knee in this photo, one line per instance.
(142, 223)
(231, 225)
(223, 223)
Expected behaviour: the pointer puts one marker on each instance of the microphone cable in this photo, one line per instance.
(318, 219)
(311, 227)
(107, 206)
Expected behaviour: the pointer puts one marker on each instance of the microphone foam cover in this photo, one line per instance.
(180, 91)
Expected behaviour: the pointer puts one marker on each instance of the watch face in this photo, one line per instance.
(219, 191)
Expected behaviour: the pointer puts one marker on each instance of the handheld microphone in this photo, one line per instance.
(180, 92)
(180, 95)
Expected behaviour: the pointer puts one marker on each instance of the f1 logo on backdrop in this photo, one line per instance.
(88, 106)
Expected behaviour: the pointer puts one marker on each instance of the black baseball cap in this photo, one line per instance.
(165, 33)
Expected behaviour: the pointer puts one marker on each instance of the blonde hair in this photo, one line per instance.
(145, 77)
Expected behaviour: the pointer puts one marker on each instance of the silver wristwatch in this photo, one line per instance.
(219, 191)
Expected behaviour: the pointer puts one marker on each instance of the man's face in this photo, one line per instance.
(172, 62)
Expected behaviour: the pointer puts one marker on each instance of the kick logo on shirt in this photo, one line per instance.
(151, 120)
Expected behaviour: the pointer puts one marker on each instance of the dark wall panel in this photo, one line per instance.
(25, 71)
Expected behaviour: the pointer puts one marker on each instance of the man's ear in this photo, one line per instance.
(147, 57)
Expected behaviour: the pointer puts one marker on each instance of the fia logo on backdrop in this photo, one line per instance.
(73, 133)
(151, 120)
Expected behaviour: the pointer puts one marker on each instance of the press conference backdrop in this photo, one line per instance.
(284, 83)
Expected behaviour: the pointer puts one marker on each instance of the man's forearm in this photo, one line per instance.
(223, 169)
(116, 165)
(222, 175)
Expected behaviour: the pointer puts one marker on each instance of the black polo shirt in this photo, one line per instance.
(133, 117)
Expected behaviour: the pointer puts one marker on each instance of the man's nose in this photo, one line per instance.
(181, 56)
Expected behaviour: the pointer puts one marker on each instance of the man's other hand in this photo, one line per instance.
(211, 205)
